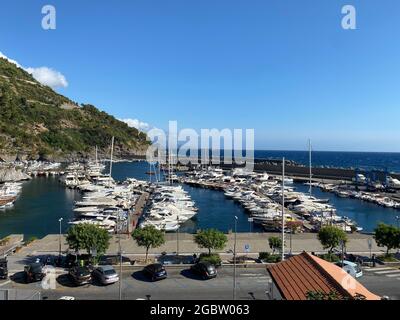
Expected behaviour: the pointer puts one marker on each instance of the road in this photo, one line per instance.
(383, 281)
(180, 285)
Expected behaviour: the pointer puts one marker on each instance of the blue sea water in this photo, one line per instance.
(384, 161)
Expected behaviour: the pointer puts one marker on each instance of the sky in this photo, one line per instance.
(285, 68)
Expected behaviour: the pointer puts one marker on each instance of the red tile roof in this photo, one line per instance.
(300, 274)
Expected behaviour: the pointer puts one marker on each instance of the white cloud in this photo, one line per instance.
(44, 75)
(48, 77)
(135, 123)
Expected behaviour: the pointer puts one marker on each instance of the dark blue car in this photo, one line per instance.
(155, 271)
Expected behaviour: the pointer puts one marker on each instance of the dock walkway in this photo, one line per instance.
(138, 211)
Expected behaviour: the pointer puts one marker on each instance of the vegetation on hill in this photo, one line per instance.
(36, 121)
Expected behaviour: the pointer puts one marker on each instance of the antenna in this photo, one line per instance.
(309, 151)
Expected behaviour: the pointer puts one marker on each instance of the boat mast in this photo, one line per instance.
(111, 157)
(309, 151)
(283, 209)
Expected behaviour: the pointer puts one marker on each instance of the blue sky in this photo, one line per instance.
(283, 67)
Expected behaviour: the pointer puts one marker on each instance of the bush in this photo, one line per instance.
(30, 240)
(269, 258)
(387, 258)
(330, 257)
(4, 241)
(213, 258)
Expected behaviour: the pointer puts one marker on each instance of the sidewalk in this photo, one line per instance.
(256, 242)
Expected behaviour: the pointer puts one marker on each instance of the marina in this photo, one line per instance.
(46, 199)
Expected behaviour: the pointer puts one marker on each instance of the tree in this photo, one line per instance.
(331, 237)
(88, 236)
(275, 243)
(148, 237)
(210, 239)
(320, 295)
(294, 225)
(387, 236)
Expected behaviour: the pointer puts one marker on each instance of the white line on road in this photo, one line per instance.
(7, 282)
(377, 269)
(392, 275)
(388, 271)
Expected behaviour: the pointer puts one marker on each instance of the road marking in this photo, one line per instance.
(3, 284)
(377, 269)
(392, 275)
(388, 271)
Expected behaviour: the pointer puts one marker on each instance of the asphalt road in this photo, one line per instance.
(383, 281)
(181, 284)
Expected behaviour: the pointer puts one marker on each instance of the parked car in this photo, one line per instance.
(105, 274)
(175, 259)
(3, 268)
(49, 261)
(67, 298)
(351, 268)
(114, 260)
(205, 269)
(80, 275)
(155, 271)
(34, 272)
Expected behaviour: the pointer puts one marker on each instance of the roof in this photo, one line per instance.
(300, 274)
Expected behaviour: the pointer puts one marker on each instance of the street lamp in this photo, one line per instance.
(59, 238)
(120, 258)
(234, 260)
(177, 236)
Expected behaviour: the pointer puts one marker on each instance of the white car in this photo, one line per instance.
(351, 268)
(67, 298)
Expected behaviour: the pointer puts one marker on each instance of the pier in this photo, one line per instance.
(138, 211)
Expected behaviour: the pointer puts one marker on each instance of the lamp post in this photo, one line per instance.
(283, 210)
(120, 258)
(177, 236)
(59, 238)
(234, 260)
(342, 247)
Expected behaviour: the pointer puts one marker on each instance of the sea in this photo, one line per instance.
(43, 201)
(384, 161)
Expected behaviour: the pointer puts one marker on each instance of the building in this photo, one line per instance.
(299, 276)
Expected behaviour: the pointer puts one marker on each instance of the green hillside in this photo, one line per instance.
(36, 121)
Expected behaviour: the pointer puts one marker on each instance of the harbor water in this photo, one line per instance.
(44, 200)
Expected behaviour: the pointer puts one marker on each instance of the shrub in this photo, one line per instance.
(30, 240)
(213, 258)
(4, 241)
(330, 257)
(269, 258)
